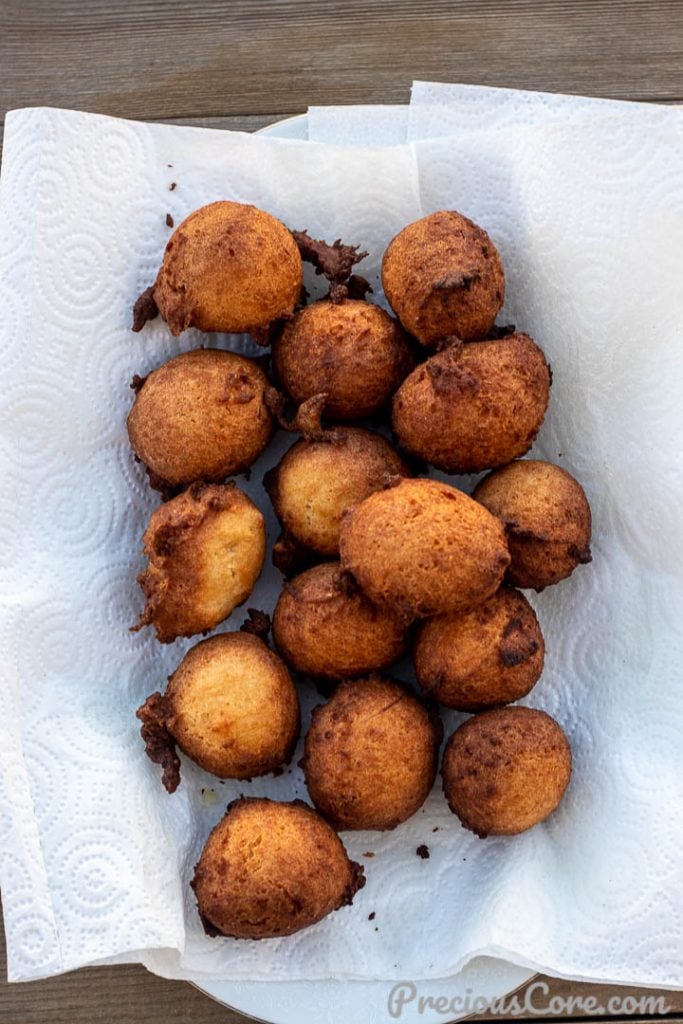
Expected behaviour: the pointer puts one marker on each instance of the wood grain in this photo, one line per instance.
(241, 64)
(155, 59)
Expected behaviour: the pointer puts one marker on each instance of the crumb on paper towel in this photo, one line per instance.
(209, 797)
(423, 851)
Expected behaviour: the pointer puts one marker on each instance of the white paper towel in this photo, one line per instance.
(94, 857)
(365, 124)
(438, 109)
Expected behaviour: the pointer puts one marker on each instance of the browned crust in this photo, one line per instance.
(356, 287)
(159, 743)
(505, 770)
(325, 627)
(307, 418)
(291, 557)
(422, 548)
(547, 520)
(442, 276)
(517, 646)
(170, 580)
(237, 899)
(202, 415)
(351, 350)
(231, 235)
(488, 656)
(371, 754)
(473, 406)
(279, 706)
(258, 624)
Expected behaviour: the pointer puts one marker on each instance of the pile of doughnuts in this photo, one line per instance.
(378, 559)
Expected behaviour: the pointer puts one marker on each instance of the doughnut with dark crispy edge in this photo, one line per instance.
(547, 520)
(230, 705)
(271, 869)
(227, 267)
(324, 626)
(200, 416)
(443, 278)
(205, 549)
(481, 658)
(370, 755)
(505, 770)
(422, 548)
(475, 406)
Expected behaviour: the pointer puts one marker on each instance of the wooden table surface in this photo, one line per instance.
(244, 64)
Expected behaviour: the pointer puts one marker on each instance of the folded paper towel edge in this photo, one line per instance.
(471, 87)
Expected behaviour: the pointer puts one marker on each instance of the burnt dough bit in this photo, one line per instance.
(145, 309)
(352, 351)
(334, 260)
(271, 869)
(443, 278)
(370, 755)
(317, 480)
(325, 627)
(489, 655)
(228, 267)
(257, 623)
(159, 743)
(200, 416)
(475, 406)
(423, 548)
(205, 549)
(230, 705)
(505, 770)
(547, 520)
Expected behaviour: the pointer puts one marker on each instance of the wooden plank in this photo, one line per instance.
(157, 59)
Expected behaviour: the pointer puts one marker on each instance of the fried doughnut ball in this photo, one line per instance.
(200, 416)
(205, 549)
(505, 770)
(474, 406)
(230, 705)
(351, 350)
(370, 755)
(271, 869)
(325, 626)
(318, 480)
(423, 547)
(481, 658)
(443, 278)
(547, 520)
(228, 267)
